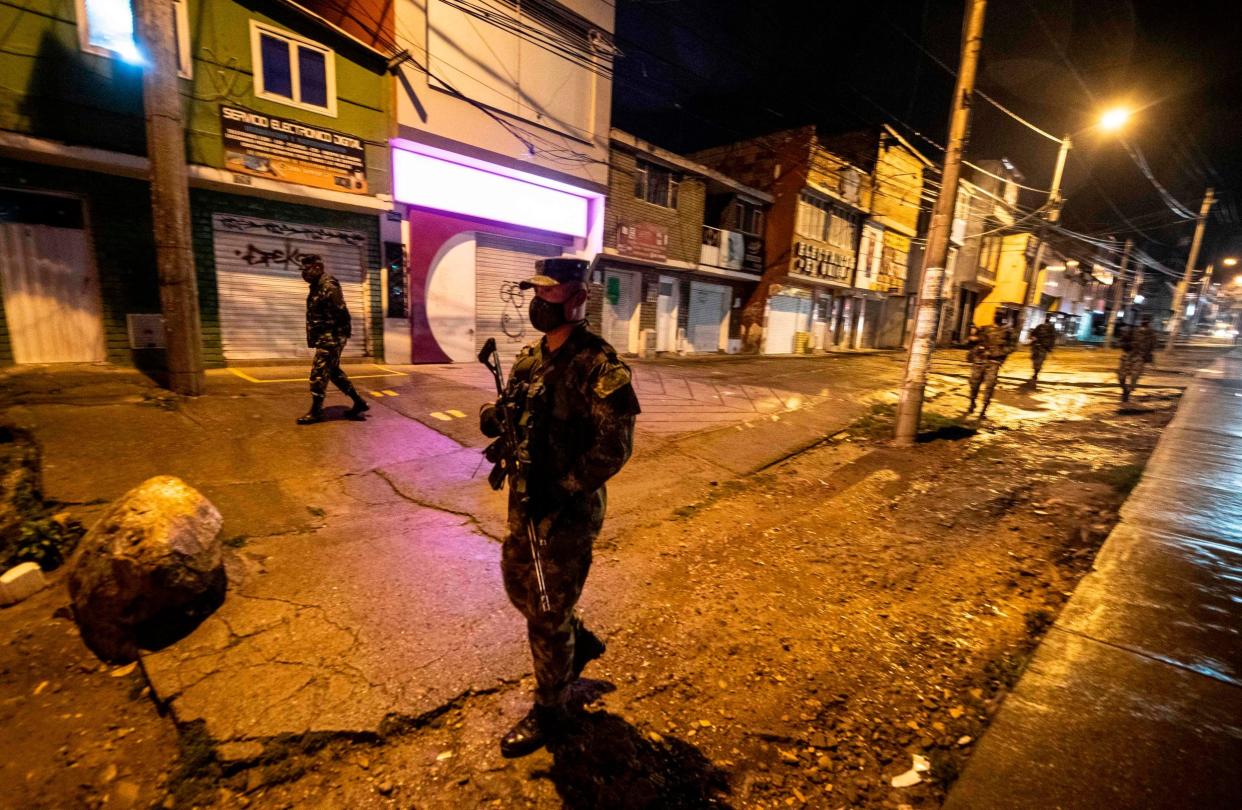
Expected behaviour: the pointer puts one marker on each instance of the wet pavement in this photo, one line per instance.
(1134, 699)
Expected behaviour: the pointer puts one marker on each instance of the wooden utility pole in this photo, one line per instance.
(910, 406)
(1031, 297)
(170, 196)
(1119, 286)
(1179, 296)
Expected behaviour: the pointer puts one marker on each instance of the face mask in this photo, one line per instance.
(546, 315)
(309, 276)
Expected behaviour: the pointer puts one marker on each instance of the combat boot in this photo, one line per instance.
(360, 405)
(540, 726)
(315, 414)
(587, 647)
(971, 409)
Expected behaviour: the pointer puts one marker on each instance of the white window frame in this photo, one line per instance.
(257, 29)
(644, 187)
(181, 18)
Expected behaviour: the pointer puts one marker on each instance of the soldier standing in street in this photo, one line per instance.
(987, 351)
(1137, 346)
(571, 409)
(1043, 339)
(327, 330)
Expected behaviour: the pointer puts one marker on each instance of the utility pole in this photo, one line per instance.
(170, 197)
(1119, 287)
(1204, 286)
(1054, 214)
(1179, 296)
(910, 406)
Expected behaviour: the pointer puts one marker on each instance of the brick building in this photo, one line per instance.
(682, 251)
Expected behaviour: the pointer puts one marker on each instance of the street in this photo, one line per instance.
(791, 606)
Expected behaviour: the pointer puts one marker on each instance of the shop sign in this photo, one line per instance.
(643, 240)
(292, 152)
(752, 261)
(818, 262)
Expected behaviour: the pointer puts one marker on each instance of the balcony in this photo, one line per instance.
(731, 250)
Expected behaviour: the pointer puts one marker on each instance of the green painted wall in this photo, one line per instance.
(117, 208)
(51, 89)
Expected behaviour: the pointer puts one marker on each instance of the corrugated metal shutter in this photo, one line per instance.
(619, 316)
(708, 305)
(499, 306)
(262, 294)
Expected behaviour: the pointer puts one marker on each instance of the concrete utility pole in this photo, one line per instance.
(170, 196)
(1054, 214)
(910, 406)
(1119, 287)
(1204, 286)
(1179, 295)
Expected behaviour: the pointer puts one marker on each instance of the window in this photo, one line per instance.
(292, 70)
(748, 217)
(107, 28)
(818, 219)
(655, 184)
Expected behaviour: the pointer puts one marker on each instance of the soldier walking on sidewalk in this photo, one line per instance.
(1043, 340)
(327, 329)
(987, 350)
(1137, 346)
(570, 407)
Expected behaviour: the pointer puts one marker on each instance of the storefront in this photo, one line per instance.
(473, 231)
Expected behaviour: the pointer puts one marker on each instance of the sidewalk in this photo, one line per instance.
(1134, 698)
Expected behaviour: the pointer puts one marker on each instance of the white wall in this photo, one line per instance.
(565, 105)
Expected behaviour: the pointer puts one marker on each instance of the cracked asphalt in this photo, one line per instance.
(365, 591)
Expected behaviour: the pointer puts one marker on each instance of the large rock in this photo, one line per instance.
(149, 571)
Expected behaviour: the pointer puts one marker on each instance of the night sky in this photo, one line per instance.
(697, 73)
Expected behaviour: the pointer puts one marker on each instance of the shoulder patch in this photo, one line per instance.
(613, 376)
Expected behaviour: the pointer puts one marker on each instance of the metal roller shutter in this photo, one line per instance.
(708, 308)
(262, 294)
(499, 306)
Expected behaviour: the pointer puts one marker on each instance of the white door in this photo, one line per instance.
(666, 314)
(48, 280)
(500, 308)
(262, 294)
(709, 309)
(620, 305)
(783, 311)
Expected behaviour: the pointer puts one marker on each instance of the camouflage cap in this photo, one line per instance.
(308, 259)
(550, 272)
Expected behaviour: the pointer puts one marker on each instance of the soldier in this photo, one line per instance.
(1043, 339)
(573, 407)
(327, 330)
(987, 350)
(1137, 346)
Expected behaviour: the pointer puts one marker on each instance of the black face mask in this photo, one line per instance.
(311, 276)
(546, 315)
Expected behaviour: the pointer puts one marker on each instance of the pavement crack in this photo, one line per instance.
(469, 517)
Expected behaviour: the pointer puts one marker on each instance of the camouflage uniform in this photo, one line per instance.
(1137, 346)
(1043, 339)
(987, 351)
(574, 411)
(327, 330)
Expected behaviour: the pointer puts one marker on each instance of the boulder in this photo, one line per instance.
(149, 571)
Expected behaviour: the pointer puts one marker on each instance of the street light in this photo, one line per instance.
(1114, 119)
(1230, 262)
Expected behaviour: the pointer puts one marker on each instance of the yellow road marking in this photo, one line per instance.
(389, 392)
(243, 375)
(458, 414)
(376, 394)
(443, 417)
(248, 378)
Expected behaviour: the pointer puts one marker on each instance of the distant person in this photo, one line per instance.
(1043, 340)
(1137, 346)
(987, 350)
(327, 330)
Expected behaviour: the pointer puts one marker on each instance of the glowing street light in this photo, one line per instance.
(1230, 262)
(1114, 119)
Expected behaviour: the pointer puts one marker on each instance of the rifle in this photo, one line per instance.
(515, 470)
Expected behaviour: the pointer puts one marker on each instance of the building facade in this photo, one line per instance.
(683, 250)
(500, 157)
(845, 211)
(286, 142)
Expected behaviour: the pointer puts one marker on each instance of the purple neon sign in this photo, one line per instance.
(445, 185)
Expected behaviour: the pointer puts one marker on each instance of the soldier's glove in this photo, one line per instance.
(489, 421)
